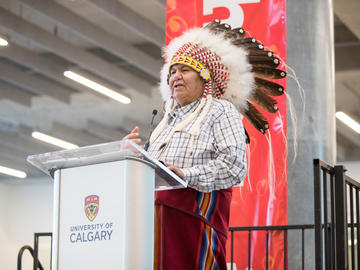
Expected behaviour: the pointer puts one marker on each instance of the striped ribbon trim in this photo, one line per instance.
(209, 244)
(206, 203)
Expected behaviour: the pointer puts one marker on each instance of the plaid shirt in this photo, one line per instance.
(217, 159)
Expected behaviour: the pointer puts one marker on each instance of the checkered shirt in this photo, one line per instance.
(217, 159)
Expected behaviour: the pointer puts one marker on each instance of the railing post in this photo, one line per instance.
(36, 250)
(341, 222)
(317, 215)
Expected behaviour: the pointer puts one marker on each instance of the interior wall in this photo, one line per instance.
(26, 207)
(4, 240)
(353, 169)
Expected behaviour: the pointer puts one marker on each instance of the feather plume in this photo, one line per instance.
(265, 102)
(268, 73)
(269, 87)
(256, 118)
(248, 44)
(212, 25)
(260, 53)
(264, 61)
(235, 34)
(217, 27)
(249, 40)
(264, 65)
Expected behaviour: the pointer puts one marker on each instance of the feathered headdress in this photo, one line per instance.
(234, 67)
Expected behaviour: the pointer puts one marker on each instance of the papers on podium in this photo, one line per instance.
(107, 152)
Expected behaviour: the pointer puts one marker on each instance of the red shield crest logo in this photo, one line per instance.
(91, 206)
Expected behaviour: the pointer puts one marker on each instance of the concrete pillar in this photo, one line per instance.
(310, 52)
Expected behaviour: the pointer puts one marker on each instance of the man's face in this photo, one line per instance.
(186, 85)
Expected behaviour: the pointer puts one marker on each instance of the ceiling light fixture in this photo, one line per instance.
(52, 140)
(97, 87)
(348, 121)
(12, 172)
(3, 42)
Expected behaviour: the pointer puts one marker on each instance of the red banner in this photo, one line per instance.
(262, 198)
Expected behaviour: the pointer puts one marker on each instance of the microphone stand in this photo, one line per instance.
(147, 144)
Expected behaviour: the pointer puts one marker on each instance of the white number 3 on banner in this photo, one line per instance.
(236, 17)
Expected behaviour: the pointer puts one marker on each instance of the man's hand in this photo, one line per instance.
(175, 169)
(133, 136)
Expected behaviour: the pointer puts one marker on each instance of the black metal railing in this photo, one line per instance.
(20, 254)
(324, 236)
(269, 229)
(34, 252)
(336, 222)
(336, 218)
(349, 221)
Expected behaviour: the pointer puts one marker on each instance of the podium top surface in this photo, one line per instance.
(107, 152)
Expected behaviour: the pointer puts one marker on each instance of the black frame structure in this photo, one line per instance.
(268, 229)
(336, 214)
(336, 222)
(34, 252)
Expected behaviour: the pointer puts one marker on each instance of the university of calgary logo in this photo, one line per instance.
(91, 206)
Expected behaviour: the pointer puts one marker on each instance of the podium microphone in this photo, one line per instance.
(154, 113)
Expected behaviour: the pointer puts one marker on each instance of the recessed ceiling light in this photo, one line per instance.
(12, 172)
(97, 87)
(348, 121)
(52, 140)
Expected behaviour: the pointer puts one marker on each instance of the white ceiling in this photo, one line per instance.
(119, 44)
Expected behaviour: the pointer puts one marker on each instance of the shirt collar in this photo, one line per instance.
(181, 111)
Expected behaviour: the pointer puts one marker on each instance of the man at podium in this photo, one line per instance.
(202, 139)
(205, 82)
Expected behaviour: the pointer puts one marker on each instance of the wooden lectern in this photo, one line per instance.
(104, 205)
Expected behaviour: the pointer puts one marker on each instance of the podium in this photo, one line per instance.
(103, 209)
